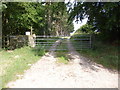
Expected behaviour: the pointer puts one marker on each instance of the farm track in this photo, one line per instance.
(79, 73)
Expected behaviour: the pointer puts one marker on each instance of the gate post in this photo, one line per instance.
(31, 41)
(90, 42)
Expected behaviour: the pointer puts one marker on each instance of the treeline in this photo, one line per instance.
(103, 17)
(45, 18)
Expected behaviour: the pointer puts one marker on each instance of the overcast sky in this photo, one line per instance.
(77, 26)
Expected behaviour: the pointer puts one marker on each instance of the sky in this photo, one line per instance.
(77, 26)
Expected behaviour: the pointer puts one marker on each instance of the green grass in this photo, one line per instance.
(106, 56)
(15, 62)
(102, 53)
(62, 54)
(62, 57)
(39, 50)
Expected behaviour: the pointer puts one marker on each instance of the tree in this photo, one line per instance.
(86, 29)
(104, 16)
(19, 17)
(45, 18)
(57, 18)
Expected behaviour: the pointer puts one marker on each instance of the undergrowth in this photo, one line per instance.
(102, 53)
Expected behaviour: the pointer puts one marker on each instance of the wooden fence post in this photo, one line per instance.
(90, 42)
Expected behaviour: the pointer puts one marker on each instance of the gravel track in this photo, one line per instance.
(79, 73)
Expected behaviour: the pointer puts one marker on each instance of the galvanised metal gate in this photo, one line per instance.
(47, 42)
(79, 42)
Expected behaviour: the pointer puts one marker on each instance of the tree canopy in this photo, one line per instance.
(103, 16)
(50, 18)
(86, 29)
(46, 18)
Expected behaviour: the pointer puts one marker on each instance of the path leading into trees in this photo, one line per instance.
(79, 73)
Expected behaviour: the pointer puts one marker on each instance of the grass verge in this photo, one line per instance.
(101, 53)
(14, 63)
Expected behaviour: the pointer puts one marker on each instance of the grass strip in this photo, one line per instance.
(61, 54)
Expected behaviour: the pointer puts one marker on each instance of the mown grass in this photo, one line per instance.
(102, 53)
(14, 63)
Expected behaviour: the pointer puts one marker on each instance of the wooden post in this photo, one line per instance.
(31, 30)
(90, 42)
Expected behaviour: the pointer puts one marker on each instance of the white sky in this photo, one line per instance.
(77, 26)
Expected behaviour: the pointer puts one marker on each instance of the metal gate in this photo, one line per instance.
(47, 42)
(79, 42)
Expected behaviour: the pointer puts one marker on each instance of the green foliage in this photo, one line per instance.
(86, 29)
(19, 17)
(57, 19)
(104, 16)
(104, 54)
(45, 18)
(101, 53)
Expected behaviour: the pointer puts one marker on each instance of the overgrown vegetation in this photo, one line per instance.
(103, 24)
(101, 52)
(15, 62)
(103, 16)
(104, 54)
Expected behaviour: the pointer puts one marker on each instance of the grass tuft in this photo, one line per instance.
(62, 59)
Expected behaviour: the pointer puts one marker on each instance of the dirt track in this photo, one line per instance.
(79, 73)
